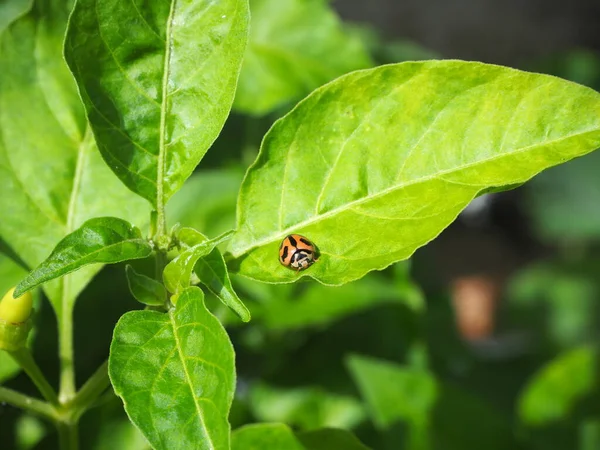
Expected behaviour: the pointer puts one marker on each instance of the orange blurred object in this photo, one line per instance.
(474, 300)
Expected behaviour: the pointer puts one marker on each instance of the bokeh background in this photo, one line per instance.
(486, 338)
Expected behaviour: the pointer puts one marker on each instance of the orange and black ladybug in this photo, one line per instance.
(297, 252)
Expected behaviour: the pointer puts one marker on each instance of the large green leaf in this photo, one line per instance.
(157, 80)
(294, 47)
(53, 178)
(175, 373)
(552, 393)
(99, 240)
(393, 392)
(375, 164)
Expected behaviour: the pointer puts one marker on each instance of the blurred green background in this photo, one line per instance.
(486, 339)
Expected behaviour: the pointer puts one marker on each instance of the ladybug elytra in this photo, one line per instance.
(297, 252)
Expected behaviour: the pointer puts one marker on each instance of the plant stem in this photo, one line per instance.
(90, 391)
(67, 435)
(27, 403)
(65, 342)
(24, 358)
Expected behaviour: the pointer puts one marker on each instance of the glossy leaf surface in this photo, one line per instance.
(53, 177)
(99, 240)
(377, 163)
(145, 289)
(554, 391)
(158, 98)
(175, 373)
(294, 47)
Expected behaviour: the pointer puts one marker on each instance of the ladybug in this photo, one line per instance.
(297, 252)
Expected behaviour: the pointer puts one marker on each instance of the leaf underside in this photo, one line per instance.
(377, 163)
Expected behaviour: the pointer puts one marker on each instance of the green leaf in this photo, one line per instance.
(99, 240)
(53, 177)
(265, 436)
(145, 289)
(393, 392)
(158, 99)
(305, 408)
(213, 273)
(330, 439)
(175, 373)
(178, 272)
(553, 392)
(294, 47)
(377, 163)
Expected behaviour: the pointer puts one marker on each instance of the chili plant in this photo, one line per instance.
(369, 167)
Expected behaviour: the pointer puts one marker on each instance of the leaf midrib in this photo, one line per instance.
(189, 380)
(274, 237)
(163, 115)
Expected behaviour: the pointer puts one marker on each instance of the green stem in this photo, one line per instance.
(67, 435)
(65, 344)
(24, 358)
(27, 403)
(90, 391)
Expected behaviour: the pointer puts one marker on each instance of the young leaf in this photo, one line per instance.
(53, 177)
(553, 391)
(265, 436)
(210, 269)
(176, 275)
(145, 289)
(330, 439)
(175, 373)
(377, 163)
(158, 99)
(99, 240)
(213, 273)
(393, 392)
(294, 47)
